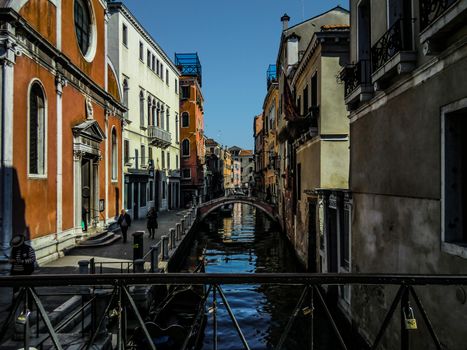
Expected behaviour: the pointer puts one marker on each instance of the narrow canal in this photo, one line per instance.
(247, 242)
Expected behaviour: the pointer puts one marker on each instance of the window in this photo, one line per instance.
(125, 95)
(150, 153)
(82, 25)
(168, 160)
(176, 86)
(136, 159)
(142, 194)
(167, 116)
(186, 173)
(141, 51)
(149, 110)
(163, 159)
(37, 132)
(148, 58)
(305, 100)
(125, 35)
(176, 161)
(141, 109)
(158, 68)
(185, 120)
(314, 90)
(176, 128)
(185, 148)
(126, 151)
(114, 155)
(161, 121)
(167, 76)
(455, 180)
(162, 71)
(153, 63)
(143, 155)
(185, 92)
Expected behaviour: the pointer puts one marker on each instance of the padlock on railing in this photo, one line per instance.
(410, 321)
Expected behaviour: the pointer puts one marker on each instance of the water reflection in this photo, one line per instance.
(248, 243)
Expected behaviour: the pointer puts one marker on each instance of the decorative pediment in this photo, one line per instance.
(89, 129)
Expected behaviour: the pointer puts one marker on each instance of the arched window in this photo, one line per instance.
(157, 113)
(141, 108)
(83, 23)
(167, 118)
(37, 132)
(185, 120)
(114, 155)
(149, 110)
(185, 148)
(162, 117)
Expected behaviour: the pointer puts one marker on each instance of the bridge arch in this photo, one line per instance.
(206, 208)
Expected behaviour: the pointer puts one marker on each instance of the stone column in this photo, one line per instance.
(77, 157)
(95, 189)
(60, 83)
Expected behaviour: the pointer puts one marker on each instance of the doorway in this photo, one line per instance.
(86, 193)
(135, 200)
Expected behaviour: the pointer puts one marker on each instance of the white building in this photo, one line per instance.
(149, 87)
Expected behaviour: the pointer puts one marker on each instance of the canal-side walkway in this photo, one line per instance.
(115, 252)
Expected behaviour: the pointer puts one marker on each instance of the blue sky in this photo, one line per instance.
(236, 41)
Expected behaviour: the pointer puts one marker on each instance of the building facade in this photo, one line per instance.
(228, 184)
(312, 133)
(214, 169)
(61, 125)
(191, 129)
(258, 134)
(408, 112)
(149, 85)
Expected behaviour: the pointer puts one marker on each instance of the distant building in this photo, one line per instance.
(191, 129)
(228, 165)
(247, 167)
(149, 87)
(259, 156)
(214, 169)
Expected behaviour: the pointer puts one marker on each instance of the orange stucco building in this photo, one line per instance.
(192, 148)
(61, 124)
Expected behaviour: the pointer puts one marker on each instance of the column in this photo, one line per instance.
(60, 83)
(77, 157)
(95, 189)
(7, 61)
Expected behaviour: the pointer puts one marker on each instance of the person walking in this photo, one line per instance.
(152, 222)
(124, 220)
(22, 258)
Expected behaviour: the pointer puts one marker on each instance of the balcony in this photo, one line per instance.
(438, 19)
(159, 137)
(271, 75)
(189, 65)
(393, 52)
(357, 82)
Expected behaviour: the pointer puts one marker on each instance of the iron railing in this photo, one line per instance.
(120, 299)
(271, 74)
(396, 39)
(158, 136)
(356, 75)
(430, 10)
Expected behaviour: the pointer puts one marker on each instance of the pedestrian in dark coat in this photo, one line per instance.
(124, 220)
(152, 222)
(22, 258)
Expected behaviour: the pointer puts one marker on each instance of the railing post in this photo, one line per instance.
(183, 226)
(179, 233)
(165, 247)
(138, 266)
(155, 251)
(187, 221)
(138, 245)
(172, 238)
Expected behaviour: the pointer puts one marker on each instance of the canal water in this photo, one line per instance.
(247, 242)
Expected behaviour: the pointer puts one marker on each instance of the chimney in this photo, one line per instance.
(285, 21)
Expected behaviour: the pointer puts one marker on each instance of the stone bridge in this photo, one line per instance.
(205, 208)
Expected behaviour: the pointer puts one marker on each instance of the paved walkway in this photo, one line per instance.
(117, 251)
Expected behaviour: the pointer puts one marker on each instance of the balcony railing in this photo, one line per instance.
(111, 301)
(356, 75)
(159, 137)
(430, 10)
(395, 40)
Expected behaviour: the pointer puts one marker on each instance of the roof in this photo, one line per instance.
(245, 152)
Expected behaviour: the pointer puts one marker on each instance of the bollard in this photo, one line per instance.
(183, 226)
(83, 267)
(155, 251)
(165, 247)
(187, 222)
(172, 238)
(179, 233)
(138, 245)
(138, 266)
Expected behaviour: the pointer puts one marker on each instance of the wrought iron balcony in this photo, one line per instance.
(356, 75)
(430, 10)
(395, 40)
(189, 65)
(159, 137)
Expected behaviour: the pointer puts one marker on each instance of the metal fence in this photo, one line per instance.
(120, 290)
